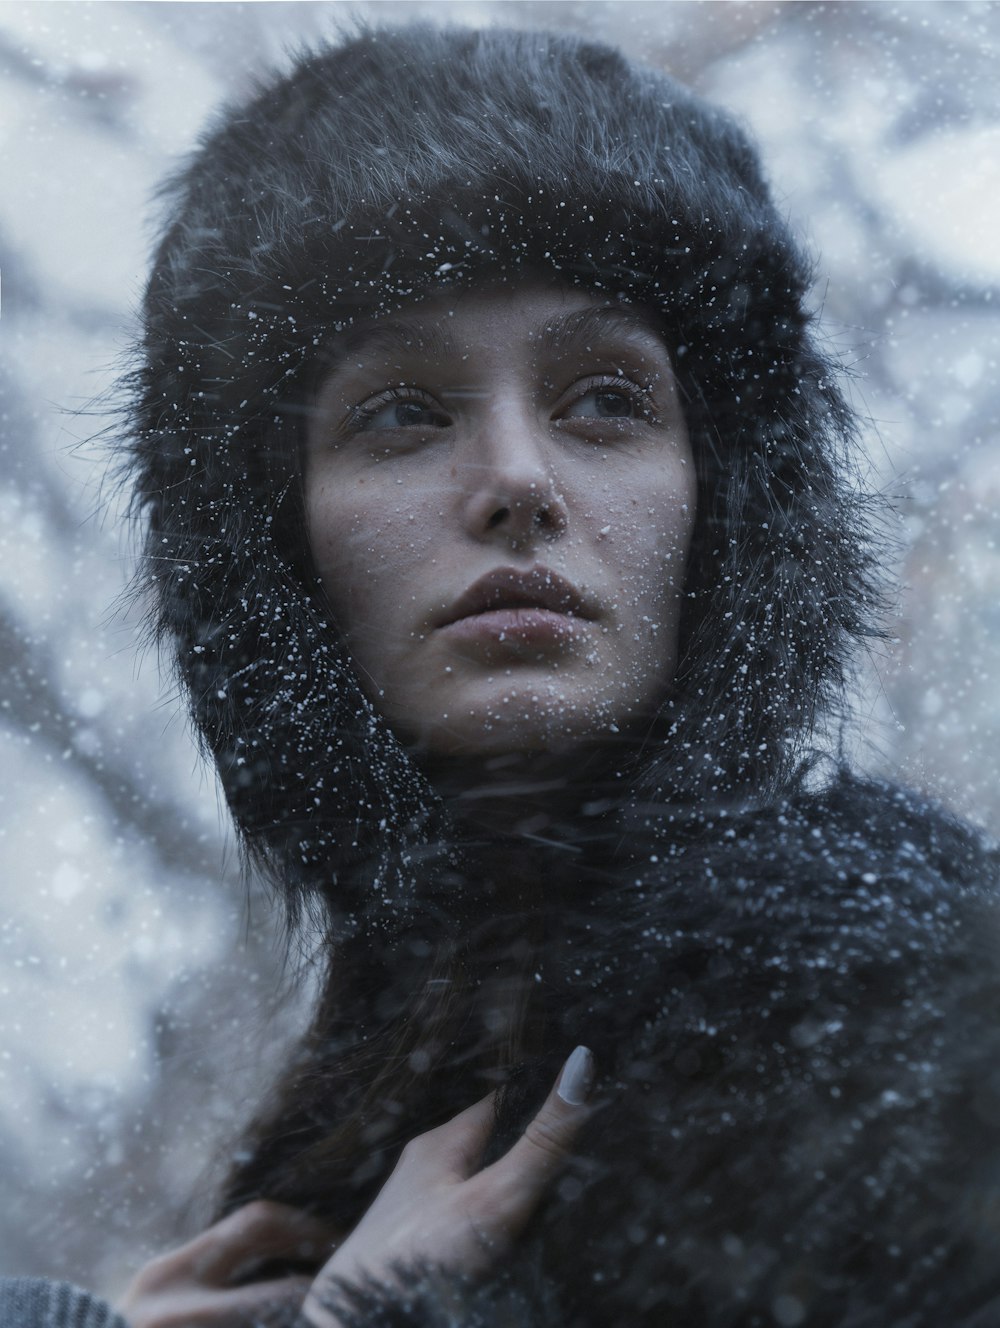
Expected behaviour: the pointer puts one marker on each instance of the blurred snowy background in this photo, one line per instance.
(141, 1004)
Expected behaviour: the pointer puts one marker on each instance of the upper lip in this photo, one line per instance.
(509, 588)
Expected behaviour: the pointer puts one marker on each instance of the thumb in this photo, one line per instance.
(521, 1176)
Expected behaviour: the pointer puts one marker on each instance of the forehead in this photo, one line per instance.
(550, 318)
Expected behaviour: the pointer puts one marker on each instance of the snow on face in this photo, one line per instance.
(500, 495)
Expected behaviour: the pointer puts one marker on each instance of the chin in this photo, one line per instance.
(520, 725)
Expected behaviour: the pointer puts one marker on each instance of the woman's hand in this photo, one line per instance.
(196, 1284)
(437, 1208)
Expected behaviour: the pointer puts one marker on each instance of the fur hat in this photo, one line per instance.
(406, 161)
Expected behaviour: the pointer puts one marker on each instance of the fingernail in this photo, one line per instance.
(577, 1077)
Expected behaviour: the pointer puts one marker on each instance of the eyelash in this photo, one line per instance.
(640, 396)
(361, 415)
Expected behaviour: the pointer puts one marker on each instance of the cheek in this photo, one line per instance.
(367, 550)
(650, 556)
(646, 537)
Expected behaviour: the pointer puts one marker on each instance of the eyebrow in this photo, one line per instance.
(568, 330)
(560, 333)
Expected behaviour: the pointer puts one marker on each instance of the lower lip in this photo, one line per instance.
(520, 627)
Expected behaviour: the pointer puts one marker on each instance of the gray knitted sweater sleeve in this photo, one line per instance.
(32, 1302)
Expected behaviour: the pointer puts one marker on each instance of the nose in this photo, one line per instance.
(513, 494)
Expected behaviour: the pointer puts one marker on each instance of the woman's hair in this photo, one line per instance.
(417, 160)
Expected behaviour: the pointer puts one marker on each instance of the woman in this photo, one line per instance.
(501, 517)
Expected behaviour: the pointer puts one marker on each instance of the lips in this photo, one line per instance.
(507, 588)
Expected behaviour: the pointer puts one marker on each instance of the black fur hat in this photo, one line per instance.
(404, 161)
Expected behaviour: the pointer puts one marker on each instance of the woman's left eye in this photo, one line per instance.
(608, 401)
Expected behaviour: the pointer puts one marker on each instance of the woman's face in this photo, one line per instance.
(500, 495)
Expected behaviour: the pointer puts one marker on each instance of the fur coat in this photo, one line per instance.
(795, 1012)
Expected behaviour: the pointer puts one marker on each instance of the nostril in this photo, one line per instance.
(501, 514)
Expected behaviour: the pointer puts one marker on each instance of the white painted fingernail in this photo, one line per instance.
(577, 1077)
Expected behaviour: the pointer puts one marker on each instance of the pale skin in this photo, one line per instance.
(499, 498)
(534, 431)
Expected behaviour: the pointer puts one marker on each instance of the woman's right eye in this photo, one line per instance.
(398, 411)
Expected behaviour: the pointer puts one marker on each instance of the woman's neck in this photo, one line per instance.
(526, 795)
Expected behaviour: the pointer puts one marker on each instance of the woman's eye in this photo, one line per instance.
(606, 403)
(399, 413)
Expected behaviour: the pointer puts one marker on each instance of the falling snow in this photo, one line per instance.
(138, 993)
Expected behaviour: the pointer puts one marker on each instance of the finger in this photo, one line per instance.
(517, 1181)
(458, 1145)
(257, 1302)
(258, 1231)
(260, 1303)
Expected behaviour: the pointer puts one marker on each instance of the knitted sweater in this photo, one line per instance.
(32, 1302)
